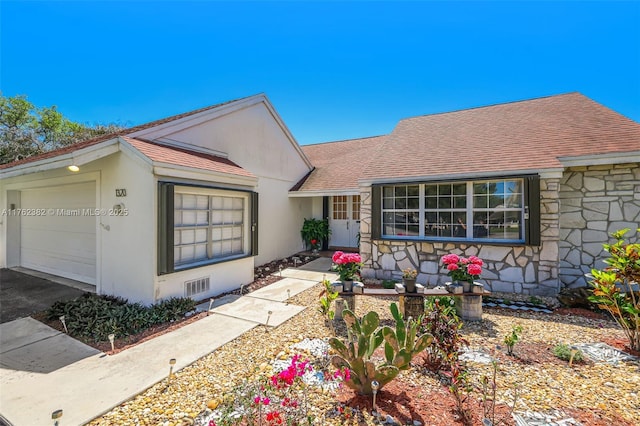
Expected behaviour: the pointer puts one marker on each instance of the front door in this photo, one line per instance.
(345, 220)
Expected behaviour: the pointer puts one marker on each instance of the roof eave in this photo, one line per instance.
(78, 158)
(600, 159)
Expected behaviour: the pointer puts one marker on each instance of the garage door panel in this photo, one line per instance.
(60, 243)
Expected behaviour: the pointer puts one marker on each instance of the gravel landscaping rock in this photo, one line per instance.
(595, 390)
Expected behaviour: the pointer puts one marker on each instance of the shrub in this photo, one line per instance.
(388, 284)
(563, 352)
(327, 296)
(95, 317)
(615, 288)
(441, 321)
(512, 338)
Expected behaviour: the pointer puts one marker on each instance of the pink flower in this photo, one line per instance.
(474, 269)
(336, 256)
(464, 260)
(476, 260)
(453, 267)
(450, 259)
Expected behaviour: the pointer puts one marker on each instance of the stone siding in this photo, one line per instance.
(594, 202)
(516, 269)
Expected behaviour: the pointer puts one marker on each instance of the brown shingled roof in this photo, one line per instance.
(103, 138)
(182, 157)
(339, 165)
(525, 135)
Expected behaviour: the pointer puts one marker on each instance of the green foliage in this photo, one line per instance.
(26, 130)
(615, 288)
(388, 284)
(563, 351)
(365, 336)
(440, 320)
(512, 338)
(355, 353)
(315, 230)
(95, 317)
(402, 344)
(327, 296)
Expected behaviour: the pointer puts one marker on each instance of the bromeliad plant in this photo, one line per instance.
(347, 265)
(615, 288)
(462, 269)
(364, 337)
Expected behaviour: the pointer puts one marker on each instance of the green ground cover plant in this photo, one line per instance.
(96, 317)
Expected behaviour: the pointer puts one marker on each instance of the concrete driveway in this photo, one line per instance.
(23, 295)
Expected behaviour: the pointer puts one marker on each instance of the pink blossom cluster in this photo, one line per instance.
(287, 376)
(341, 258)
(463, 268)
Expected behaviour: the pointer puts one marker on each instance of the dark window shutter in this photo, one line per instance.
(376, 212)
(254, 224)
(325, 216)
(165, 228)
(532, 225)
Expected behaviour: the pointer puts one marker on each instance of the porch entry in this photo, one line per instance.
(344, 220)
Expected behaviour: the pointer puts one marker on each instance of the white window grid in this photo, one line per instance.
(453, 210)
(208, 227)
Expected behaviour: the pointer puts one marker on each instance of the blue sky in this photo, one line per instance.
(333, 70)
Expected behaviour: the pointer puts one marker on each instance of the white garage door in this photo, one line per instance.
(62, 242)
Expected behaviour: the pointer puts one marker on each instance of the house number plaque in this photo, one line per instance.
(121, 192)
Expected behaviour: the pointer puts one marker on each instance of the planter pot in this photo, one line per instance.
(466, 286)
(347, 286)
(409, 285)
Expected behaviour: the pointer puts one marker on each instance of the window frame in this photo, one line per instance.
(166, 224)
(530, 212)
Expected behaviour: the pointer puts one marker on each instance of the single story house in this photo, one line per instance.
(533, 188)
(188, 205)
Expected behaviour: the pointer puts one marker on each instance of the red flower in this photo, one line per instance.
(452, 267)
(474, 269)
(314, 241)
(274, 418)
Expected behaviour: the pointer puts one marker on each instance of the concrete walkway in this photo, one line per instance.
(42, 370)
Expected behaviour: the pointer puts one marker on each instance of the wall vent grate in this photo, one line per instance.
(197, 286)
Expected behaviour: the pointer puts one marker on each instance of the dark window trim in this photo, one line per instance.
(166, 192)
(531, 206)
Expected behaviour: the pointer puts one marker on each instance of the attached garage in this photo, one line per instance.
(59, 238)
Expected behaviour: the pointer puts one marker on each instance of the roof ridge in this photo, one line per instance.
(344, 140)
(493, 105)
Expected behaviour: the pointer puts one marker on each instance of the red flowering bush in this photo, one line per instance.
(462, 268)
(347, 264)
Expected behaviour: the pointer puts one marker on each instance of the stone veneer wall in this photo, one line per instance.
(516, 269)
(594, 201)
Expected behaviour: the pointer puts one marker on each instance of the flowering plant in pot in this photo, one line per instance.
(409, 279)
(463, 269)
(348, 267)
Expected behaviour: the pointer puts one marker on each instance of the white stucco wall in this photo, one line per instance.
(125, 245)
(253, 138)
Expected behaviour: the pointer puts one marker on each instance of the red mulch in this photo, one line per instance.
(621, 344)
(582, 312)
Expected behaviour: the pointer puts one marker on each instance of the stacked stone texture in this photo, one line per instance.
(578, 213)
(594, 202)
